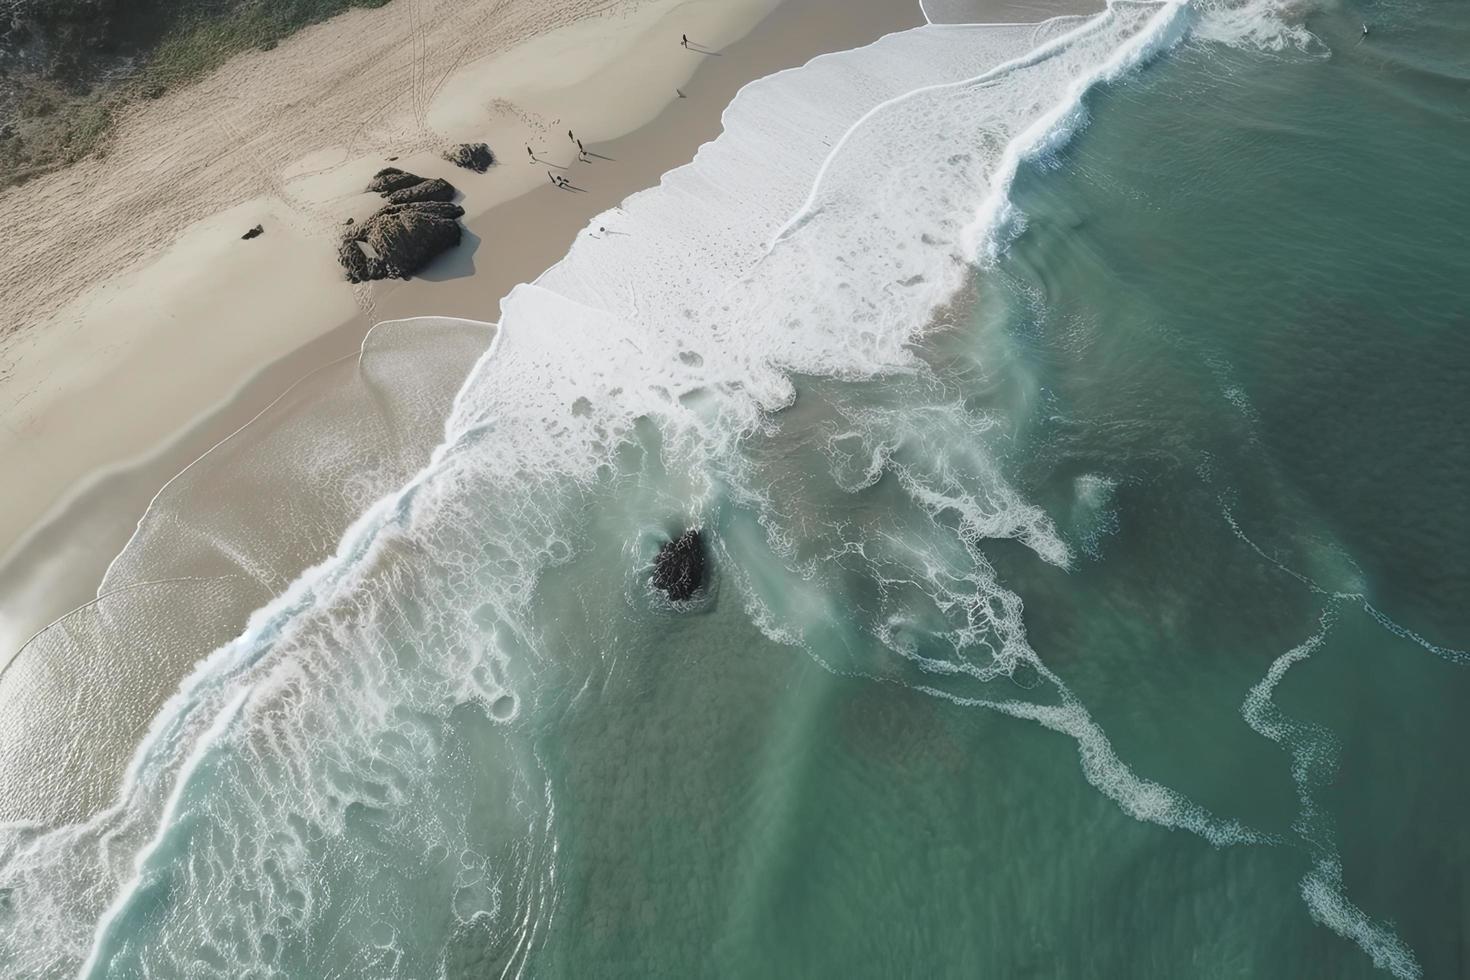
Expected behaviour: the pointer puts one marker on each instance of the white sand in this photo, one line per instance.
(130, 306)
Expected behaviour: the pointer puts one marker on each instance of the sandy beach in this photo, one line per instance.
(115, 391)
(132, 308)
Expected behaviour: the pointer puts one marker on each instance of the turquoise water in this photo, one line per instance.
(1116, 631)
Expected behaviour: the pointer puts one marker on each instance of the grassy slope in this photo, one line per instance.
(64, 110)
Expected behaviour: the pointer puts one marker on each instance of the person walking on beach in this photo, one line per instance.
(684, 40)
(570, 136)
(529, 153)
(579, 148)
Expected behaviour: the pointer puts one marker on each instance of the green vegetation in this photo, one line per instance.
(68, 66)
(201, 43)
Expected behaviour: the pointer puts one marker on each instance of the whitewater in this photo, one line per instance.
(834, 221)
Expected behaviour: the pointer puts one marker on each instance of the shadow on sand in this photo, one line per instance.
(457, 263)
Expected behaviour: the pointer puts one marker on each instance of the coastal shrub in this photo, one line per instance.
(66, 65)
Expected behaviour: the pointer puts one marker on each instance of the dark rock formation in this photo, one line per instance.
(678, 568)
(436, 189)
(407, 233)
(355, 261)
(391, 179)
(471, 156)
(255, 232)
(399, 240)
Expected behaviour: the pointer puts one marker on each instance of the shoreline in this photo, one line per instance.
(57, 562)
(79, 312)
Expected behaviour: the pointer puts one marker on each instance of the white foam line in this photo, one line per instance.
(1052, 130)
(1322, 886)
(1453, 655)
(179, 703)
(499, 325)
(724, 127)
(360, 353)
(946, 24)
(1459, 658)
(1313, 751)
(359, 534)
(1142, 799)
(201, 750)
(1024, 61)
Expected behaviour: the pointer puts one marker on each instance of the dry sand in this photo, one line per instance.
(130, 309)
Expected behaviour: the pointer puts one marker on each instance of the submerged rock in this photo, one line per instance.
(471, 156)
(398, 240)
(678, 568)
(255, 232)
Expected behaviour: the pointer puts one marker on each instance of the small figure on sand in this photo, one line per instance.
(579, 147)
(570, 136)
(684, 40)
(529, 153)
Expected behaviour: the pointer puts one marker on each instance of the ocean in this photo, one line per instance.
(1070, 413)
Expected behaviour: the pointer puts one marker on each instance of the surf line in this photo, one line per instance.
(206, 746)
